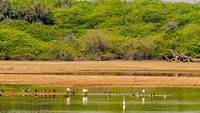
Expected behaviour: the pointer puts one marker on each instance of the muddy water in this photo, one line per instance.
(125, 100)
(119, 73)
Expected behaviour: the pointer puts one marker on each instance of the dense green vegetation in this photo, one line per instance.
(98, 30)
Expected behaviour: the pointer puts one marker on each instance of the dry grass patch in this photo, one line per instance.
(60, 67)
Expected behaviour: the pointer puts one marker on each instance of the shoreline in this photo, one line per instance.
(28, 72)
(101, 81)
(70, 66)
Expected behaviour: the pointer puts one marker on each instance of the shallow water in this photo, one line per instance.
(119, 73)
(177, 100)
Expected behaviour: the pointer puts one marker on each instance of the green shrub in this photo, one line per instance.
(97, 30)
(96, 44)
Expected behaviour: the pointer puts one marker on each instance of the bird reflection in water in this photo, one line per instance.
(68, 100)
(124, 104)
(143, 101)
(85, 100)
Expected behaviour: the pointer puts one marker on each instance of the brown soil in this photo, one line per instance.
(13, 67)
(100, 81)
(48, 67)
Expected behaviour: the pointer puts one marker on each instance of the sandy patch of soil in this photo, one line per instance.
(22, 72)
(60, 67)
(100, 81)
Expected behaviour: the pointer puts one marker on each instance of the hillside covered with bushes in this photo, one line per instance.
(97, 30)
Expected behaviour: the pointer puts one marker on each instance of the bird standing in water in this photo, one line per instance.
(85, 91)
(68, 90)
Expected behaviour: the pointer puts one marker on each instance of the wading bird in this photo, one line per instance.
(85, 91)
(68, 90)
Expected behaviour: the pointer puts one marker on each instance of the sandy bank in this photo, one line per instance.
(25, 72)
(53, 67)
(101, 81)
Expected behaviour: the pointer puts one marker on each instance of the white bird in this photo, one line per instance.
(85, 90)
(143, 91)
(68, 89)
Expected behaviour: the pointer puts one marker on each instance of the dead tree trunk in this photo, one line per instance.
(172, 56)
(179, 57)
(195, 60)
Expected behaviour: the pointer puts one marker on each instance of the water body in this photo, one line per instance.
(165, 100)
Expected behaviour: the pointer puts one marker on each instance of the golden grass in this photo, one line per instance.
(50, 67)
(9, 70)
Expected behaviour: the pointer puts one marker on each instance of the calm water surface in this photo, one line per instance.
(177, 100)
